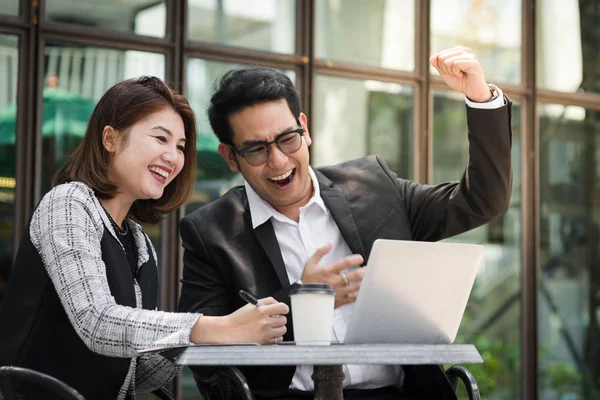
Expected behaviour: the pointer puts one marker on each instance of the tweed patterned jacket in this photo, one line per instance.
(66, 230)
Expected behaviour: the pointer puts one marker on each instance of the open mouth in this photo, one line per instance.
(160, 174)
(283, 179)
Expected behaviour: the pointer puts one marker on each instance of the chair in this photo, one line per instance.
(457, 372)
(15, 381)
(163, 394)
(229, 383)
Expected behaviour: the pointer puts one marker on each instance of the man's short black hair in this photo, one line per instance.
(242, 88)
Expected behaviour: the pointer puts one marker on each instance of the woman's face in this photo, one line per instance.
(150, 157)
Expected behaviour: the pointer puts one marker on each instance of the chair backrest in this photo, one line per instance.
(226, 383)
(16, 382)
(163, 394)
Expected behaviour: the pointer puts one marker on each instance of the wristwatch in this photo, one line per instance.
(493, 91)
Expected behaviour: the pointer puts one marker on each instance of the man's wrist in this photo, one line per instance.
(494, 92)
(490, 95)
(493, 103)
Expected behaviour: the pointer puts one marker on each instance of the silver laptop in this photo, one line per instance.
(414, 292)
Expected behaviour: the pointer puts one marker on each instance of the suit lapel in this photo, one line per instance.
(336, 202)
(267, 239)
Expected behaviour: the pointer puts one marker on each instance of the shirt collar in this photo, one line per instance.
(261, 211)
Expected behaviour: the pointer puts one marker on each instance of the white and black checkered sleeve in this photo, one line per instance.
(154, 371)
(66, 230)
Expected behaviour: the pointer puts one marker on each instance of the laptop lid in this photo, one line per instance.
(414, 292)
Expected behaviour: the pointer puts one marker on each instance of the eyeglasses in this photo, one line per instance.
(258, 154)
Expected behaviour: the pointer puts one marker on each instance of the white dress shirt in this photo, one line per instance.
(298, 241)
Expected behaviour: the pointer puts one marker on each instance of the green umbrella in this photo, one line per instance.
(210, 162)
(64, 122)
(64, 114)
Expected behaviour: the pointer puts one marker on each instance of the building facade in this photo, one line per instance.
(362, 70)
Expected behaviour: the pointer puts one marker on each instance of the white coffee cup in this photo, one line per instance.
(312, 313)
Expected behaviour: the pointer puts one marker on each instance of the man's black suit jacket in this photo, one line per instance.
(224, 254)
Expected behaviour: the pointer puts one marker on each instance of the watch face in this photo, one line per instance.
(493, 90)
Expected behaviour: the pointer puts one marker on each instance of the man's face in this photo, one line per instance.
(283, 180)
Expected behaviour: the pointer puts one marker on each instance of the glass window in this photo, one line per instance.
(142, 17)
(569, 285)
(9, 63)
(492, 318)
(9, 7)
(567, 58)
(491, 28)
(268, 25)
(213, 177)
(376, 32)
(76, 78)
(355, 118)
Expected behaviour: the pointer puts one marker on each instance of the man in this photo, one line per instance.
(292, 223)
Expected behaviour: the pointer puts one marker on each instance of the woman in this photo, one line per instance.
(83, 292)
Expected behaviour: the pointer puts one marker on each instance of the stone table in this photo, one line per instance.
(328, 374)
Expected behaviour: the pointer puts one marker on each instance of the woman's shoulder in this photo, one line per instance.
(64, 206)
(67, 198)
(71, 190)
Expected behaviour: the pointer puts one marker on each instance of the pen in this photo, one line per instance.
(249, 298)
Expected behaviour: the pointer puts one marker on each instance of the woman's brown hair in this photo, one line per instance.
(121, 107)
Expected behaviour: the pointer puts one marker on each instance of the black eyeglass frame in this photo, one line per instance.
(242, 152)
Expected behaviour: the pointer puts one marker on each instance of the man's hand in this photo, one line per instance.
(345, 290)
(461, 71)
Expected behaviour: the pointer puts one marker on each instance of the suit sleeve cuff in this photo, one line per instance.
(491, 105)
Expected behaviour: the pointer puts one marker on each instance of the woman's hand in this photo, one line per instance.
(264, 324)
